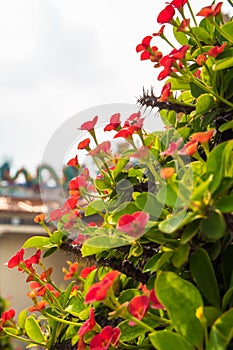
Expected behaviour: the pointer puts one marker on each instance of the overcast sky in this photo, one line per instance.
(60, 57)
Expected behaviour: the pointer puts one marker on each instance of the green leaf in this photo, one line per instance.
(202, 34)
(196, 90)
(176, 221)
(97, 244)
(166, 340)
(204, 275)
(36, 242)
(89, 281)
(211, 314)
(226, 126)
(190, 231)
(33, 330)
(56, 237)
(225, 204)
(127, 295)
(22, 318)
(151, 264)
(199, 191)
(76, 306)
(214, 226)
(97, 206)
(205, 102)
(219, 162)
(221, 332)
(228, 28)
(174, 194)
(180, 255)
(181, 299)
(227, 299)
(121, 163)
(223, 64)
(179, 84)
(148, 203)
(129, 333)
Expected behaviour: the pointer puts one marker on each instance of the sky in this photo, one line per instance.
(59, 58)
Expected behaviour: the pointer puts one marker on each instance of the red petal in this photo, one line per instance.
(166, 15)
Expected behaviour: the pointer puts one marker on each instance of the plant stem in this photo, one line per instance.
(192, 14)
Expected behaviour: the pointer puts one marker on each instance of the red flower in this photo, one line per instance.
(125, 133)
(16, 259)
(138, 307)
(72, 270)
(84, 144)
(166, 15)
(160, 32)
(189, 148)
(165, 93)
(201, 59)
(178, 54)
(98, 291)
(173, 147)
(7, 315)
(73, 161)
(184, 25)
(105, 338)
(144, 44)
(216, 50)
(39, 218)
(34, 259)
(88, 126)
(75, 185)
(114, 122)
(165, 173)
(85, 272)
(132, 119)
(167, 69)
(178, 3)
(213, 10)
(70, 203)
(38, 307)
(202, 137)
(133, 224)
(88, 324)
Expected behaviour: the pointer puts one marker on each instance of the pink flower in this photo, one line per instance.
(133, 224)
(155, 302)
(88, 126)
(88, 324)
(173, 147)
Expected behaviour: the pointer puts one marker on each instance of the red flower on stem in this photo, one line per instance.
(7, 315)
(166, 173)
(173, 147)
(178, 3)
(138, 307)
(105, 338)
(165, 93)
(34, 259)
(166, 15)
(144, 44)
(133, 224)
(73, 161)
(88, 126)
(213, 10)
(216, 50)
(155, 302)
(72, 270)
(84, 144)
(76, 184)
(201, 59)
(87, 270)
(88, 324)
(99, 290)
(114, 123)
(38, 307)
(189, 148)
(16, 259)
(160, 32)
(202, 137)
